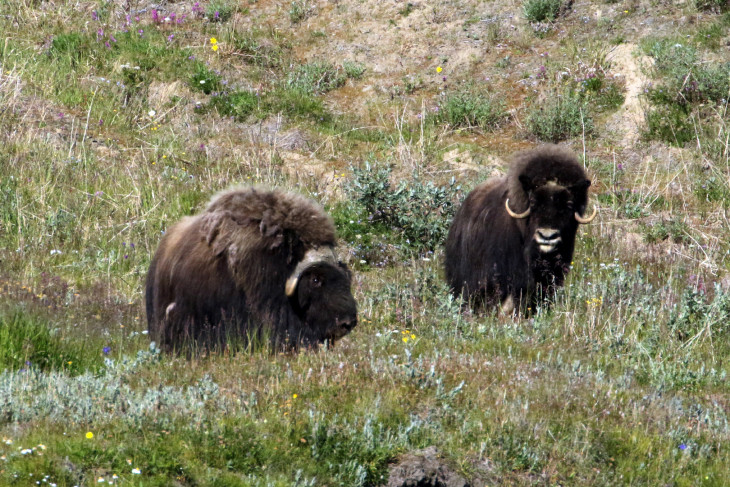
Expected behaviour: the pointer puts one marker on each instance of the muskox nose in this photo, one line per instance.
(547, 239)
(547, 234)
(347, 324)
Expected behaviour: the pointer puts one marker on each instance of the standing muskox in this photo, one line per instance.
(255, 264)
(512, 241)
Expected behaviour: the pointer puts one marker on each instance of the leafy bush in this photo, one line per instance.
(540, 10)
(418, 212)
(471, 107)
(560, 117)
(686, 89)
(602, 92)
(685, 78)
(670, 124)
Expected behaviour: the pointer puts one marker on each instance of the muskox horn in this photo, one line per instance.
(312, 257)
(524, 214)
(580, 219)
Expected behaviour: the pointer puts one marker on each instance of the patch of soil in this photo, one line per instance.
(628, 121)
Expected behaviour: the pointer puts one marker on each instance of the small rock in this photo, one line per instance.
(424, 468)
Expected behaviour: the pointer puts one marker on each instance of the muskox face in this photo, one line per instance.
(552, 210)
(323, 300)
(554, 213)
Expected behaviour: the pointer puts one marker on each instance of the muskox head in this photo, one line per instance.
(552, 211)
(319, 292)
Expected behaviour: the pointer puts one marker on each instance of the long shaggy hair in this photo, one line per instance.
(256, 263)
(512, 240)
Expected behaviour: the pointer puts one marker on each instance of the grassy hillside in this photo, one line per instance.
(119, 117)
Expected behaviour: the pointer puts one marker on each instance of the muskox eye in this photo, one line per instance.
(569, 205)
(316, 281)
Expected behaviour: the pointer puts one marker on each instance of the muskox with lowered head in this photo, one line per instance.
(255, 264)
(512, 240)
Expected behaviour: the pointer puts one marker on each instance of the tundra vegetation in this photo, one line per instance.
(119, 118)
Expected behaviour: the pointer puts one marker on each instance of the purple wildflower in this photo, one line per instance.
(155, 16)
(170, 37)
(99, 34)
(106, 350)
(94, 15)
(682, 446)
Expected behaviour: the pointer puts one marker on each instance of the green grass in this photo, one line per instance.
(622, 381)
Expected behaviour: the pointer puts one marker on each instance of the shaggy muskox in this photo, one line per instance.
(255, 264)
(512, 240)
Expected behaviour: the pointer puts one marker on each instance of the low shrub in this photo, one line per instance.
(560, 117)
(417, 213)
(469, 106)
(541, 10)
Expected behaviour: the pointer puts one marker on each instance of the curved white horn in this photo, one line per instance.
(580, 219)
(312, 257)
(524, 214)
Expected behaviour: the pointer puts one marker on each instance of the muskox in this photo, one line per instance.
(256, 264)
(511, 242)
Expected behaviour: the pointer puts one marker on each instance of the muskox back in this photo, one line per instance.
(256, 264)
(512, 240)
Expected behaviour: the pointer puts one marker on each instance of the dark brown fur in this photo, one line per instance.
(221, 275)
(492, 258)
